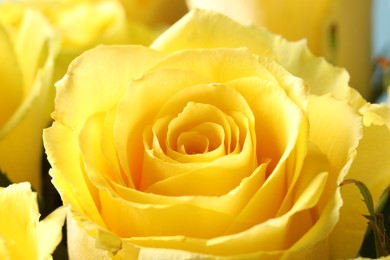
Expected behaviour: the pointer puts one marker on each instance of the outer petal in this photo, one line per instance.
(103, 83)
(88, 78)
(335, 128)
(202, 29)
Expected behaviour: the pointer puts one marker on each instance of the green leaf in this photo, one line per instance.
(376, 219)
(4, 180)
(367, 198)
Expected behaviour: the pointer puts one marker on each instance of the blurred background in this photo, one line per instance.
(380, 46)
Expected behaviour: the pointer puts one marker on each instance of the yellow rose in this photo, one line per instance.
(219, 141)
(22, 235)
(27, 54)
(339, 30)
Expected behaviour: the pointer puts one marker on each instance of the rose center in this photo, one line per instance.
(192, 143)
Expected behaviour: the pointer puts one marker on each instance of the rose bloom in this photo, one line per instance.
(27, 53)
(22, 235)
(219, 141)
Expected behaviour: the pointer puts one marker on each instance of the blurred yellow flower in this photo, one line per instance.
(22, 235)
(219, 141)
(27, 52)
(81, 25)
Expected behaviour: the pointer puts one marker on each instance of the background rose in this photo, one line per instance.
(22, 235)
(27, 53)
(200, 148)
(81, 25)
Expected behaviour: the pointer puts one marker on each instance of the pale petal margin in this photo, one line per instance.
(80, 244)
(49, 231)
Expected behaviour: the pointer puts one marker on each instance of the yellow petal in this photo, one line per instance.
(218, 65)
(184, 139)
(101, 75)
(18, 220)
(306, 247)
(86, 24)
(227, 205)
(80, 244)
(376, 114)
(162, 253)
(155, 220)
(266, 235)
(324, 215)
(94, 143)
(4, 254)
(50, 232)
(320, 75)
(64, 158)
(247, 13)
(30, 46)
(282, 131)
(335, 128)
(230, 203)
(11, 81)
(204, 29)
